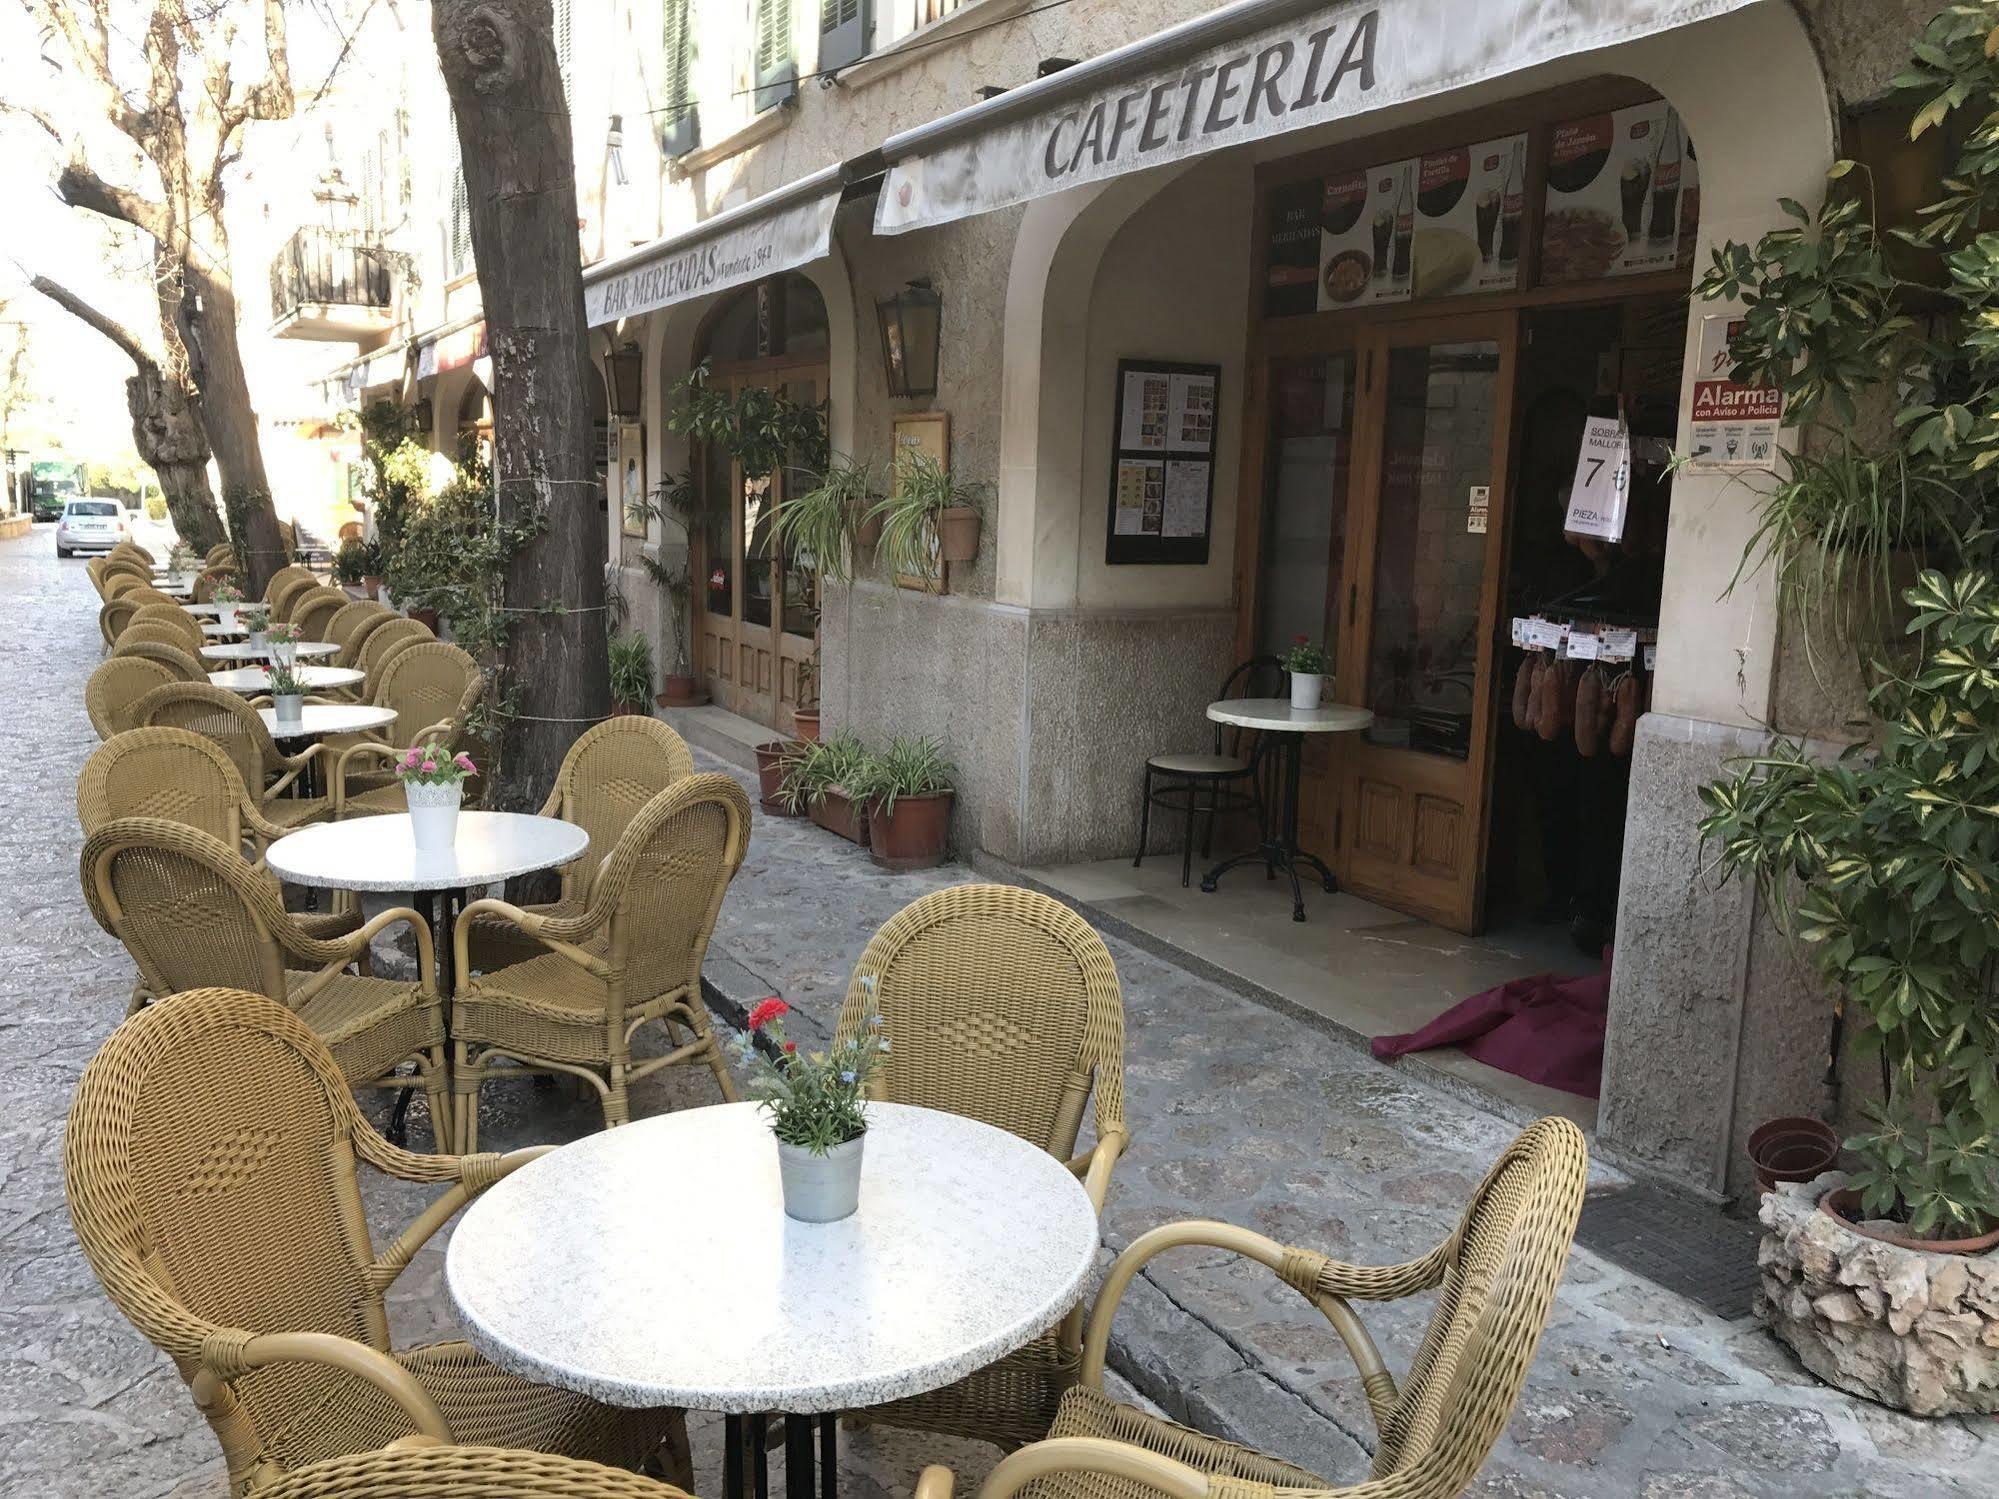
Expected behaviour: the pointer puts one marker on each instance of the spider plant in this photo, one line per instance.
(631, 671)
(924, 490)
(908, 767)
(817, 525)
(815, 768)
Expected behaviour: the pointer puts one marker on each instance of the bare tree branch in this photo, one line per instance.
(9, 106)
(271, 98)
(110, 327)
(81, 187)
(91, 50)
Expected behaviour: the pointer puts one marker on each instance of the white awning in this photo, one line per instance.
(1237, 74)
(784, 229)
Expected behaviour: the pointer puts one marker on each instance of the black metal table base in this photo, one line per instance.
(1277, 847)
(811, 1469)
(440, 908)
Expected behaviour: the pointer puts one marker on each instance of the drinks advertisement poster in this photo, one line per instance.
(1623, 195)
(1429, 226)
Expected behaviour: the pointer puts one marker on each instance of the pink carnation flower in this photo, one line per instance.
(410, 760)
(429, 766)
(464, 762)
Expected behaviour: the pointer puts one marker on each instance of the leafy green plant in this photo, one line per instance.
(1896, 852)
(762, 429)
(1306, 658)
(395, 474)
(818, 523)
(350, 562)
(923, 490)
(813, 1099)
(908, 767)
(813, 769)
(631, 670)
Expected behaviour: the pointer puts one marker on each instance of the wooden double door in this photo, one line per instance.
(1384, 448)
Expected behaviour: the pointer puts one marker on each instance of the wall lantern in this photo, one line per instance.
(627, 367)
(911, 321)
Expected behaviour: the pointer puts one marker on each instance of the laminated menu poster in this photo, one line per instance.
(1163, 466)
(1623, 195)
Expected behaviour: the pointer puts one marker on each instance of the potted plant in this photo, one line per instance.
(227, 598)
(280, 642)
(818, 780)
(183, 563)
(805, 717)
(255, 622)
(287, 694)
(818, 525)
(928, 518)
(350, 562)
(434, 785)
(775, 759)
(679, 688)
(816, 1102)
(1308, 665)
(630, 658)
(908, 789)
(371, 568)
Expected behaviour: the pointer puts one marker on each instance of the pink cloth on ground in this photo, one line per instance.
(1547, 1029)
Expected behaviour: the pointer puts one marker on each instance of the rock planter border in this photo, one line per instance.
(1908, 1328)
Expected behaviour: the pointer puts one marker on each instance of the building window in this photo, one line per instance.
(775, 69)
(458, 237)
(564, 51)
(843, 32)
(680, 125)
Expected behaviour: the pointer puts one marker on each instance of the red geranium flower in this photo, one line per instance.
(766, 1011)
(790, 1046)
(1302, 639)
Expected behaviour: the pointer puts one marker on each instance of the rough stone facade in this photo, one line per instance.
(1913, 1330)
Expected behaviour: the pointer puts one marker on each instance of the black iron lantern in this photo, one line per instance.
(911, 322)
(627, 382)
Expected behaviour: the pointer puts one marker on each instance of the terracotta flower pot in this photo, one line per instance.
(869, 532)
(1843, 1203)
(805, 724)
(913, 836)
(425, 617)
(371, 586)
(958, 533)
(770, 778)
(1793, 1149)
(681, 692)
(836, 812)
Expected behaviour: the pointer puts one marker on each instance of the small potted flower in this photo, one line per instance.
(1308, 665)
(816, 1103)
(433, 785)
(182, 564)
(287, 695)
(254, 620)
(227, 598)
(280, 642)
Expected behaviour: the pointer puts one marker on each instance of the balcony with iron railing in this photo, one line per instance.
(332, 286)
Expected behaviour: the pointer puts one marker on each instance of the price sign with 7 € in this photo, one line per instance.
(1602, 485)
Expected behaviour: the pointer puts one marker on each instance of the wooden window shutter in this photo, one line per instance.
(843, 32)
(776, 70)
(680, 124)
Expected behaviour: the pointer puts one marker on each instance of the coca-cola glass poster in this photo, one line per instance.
(1623, 195)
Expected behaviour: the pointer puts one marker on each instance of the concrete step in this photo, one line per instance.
(730, 735)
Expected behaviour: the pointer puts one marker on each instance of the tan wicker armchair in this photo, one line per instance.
(350, 626)
(314, 609)
(222, 554)
(608, 775)
(181, 662)
(431, 686)
(193, 912)
(113, 581)
(223, 716)
(632, 958)
(131, 548)
(418, 1470)
(1001, 1005)
(280, 587)
(1494, 1279)
(112, 694)
(152, 632)
(210, 1165)
(172, 617)
(115, 615)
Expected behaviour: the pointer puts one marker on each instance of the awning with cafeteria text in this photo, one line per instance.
(1234, 75)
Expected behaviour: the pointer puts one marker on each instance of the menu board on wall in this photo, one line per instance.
(1623, 195)
(1162, 462)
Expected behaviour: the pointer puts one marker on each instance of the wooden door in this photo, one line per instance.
(1421, 593)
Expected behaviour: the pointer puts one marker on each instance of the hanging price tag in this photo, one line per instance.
(1620, 645)
(1602, 485)
(1651, 657)
(1583, 646)
(1544, 634)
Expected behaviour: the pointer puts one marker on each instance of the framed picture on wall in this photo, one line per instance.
(628, 476)
(928, 433)
(1162, 462)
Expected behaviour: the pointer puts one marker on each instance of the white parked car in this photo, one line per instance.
(90, 526)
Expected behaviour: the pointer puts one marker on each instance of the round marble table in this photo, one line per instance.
(1283, 728)
(968, 1244)
(242, 650)
(203, 611)
(317, 720)
(252, 680)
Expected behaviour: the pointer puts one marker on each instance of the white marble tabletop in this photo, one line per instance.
(203, 611)
(254, 679)
(969, 1243)
(225, 632)
(174, 589)
(380, 853)
(1277, 713)
(242, 650)
(318, 719)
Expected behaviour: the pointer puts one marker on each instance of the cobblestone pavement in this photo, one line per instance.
(1240, 1113)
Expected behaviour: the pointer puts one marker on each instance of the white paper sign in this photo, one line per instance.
(1478, 510)
(1602, 486)
(1545, 634)
(1619, 645)
(1583, 646)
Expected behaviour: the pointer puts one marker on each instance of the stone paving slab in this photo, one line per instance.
(1240, 1113)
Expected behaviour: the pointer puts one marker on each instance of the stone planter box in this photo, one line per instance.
(1904, 1327)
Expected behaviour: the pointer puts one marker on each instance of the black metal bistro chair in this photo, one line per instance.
(1224, 780)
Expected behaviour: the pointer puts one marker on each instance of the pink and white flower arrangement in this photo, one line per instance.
(433, 765)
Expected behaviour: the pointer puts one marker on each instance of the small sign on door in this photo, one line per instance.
(1478, 509)
(1602, 487)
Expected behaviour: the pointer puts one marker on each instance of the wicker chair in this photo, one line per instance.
(213, 578)
(633, 957)
(352, 620)
(210, 1165)
(1494, 1279)
(174, 618)
(383, 642)
(313, 613)
(608, 775)
(127, 567)
(153, 632)
(114, 616)
(232, 723)
(131, 548)
(279, 586)
(222, 554)
(1001, 1005)
(174, 658)
(415, 1471)
(431, 686)
(116, 580)
(112, 694)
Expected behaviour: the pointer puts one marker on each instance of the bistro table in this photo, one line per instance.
(252, 680)
(242, 650)
(317, 720)
(969, 1243)
(1284, 729)
(203, 611)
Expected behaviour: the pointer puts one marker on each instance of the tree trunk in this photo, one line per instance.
(167, 430)
(231, 419)
(499, 65)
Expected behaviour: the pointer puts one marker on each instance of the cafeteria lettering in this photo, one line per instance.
(1207, 99)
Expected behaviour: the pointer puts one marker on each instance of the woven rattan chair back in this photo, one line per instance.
(1000, 1004)
(112, 694)
(463, 1473)
(608, 775)
(190, 909)
(114, 616)
(172, 774)
(212, 579)
(222, 554)
(360, 632)
(379, 641)
(1499, 1274)
(130, 548)
(154, 633)
(665, 879)
(283, 583)
(347, 618)
(175, 658)
(220, 715)
(314, 612)
(429, 683)
(210, 1174)
(127, 567)
(118, 580)
(174, 618)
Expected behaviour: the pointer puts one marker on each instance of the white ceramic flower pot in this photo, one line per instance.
(1305, 689)
(821, 1188)
(282, 652)
(289, 707)
(225, 616)
(433, 812)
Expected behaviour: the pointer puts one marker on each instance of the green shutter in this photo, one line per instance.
(776, 77)
(564, 59)
(680, 130)
(843, 33)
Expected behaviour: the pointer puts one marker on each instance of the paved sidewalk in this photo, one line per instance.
(1240, 1113)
